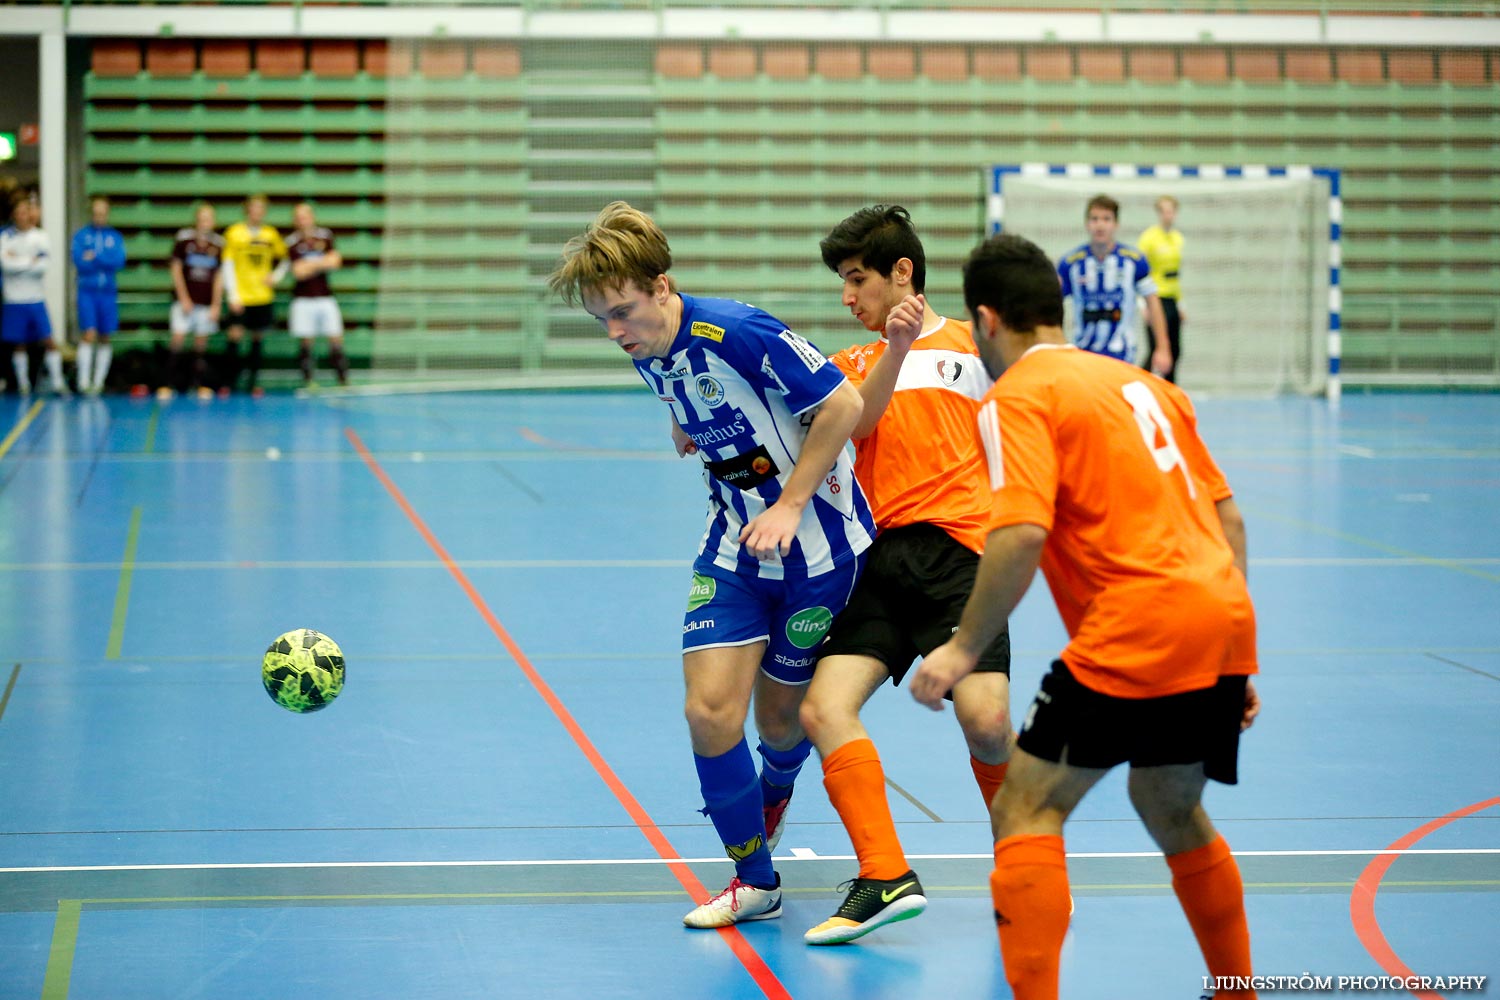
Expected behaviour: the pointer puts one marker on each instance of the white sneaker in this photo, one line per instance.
(737, 903)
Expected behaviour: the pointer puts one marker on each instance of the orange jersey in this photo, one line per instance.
(921, 464)
(1107, 458)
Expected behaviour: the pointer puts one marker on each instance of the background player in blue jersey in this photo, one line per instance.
(98, 254)
(787, 524)
(1102, 279)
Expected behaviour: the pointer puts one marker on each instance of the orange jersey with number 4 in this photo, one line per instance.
(921, 464)
(1108, 460)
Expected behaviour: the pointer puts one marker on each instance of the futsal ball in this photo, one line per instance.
(303, 670)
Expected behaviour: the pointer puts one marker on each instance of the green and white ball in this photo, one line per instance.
(303, 670)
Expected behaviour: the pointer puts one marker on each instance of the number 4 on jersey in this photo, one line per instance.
(1152, 421)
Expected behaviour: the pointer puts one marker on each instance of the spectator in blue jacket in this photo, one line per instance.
(98, 253)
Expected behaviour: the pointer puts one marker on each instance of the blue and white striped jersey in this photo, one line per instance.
(1104, 294)
(744, 388)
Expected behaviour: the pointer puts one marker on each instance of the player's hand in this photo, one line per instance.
(940, 670)
(682, 442)
(304, 269)
(771, 532)
(1161, 361)
(269, 281)
(1181, 316)
(904, 323)
(235, 308)
(1252, 705)
(214, 312)
(185, 304)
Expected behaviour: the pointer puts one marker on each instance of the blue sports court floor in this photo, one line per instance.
(502, 803)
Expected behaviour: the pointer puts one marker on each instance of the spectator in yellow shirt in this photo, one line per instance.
(255, 259)
(1162, 245)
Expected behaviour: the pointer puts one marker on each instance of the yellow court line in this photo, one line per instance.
(122, 592)
(21, 425)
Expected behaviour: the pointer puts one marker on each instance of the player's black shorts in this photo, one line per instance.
(1099, 730)
(908, 602)
(256, 319)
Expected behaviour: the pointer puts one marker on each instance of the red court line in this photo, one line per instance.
(1362, 900)
(748, 956)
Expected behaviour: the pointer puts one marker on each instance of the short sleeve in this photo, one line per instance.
(768, 355)
(851, 361)
(278, 245)
(1145, 284)
(1021, 456)
(1063, 279)
(179, 250)
(1201, 465)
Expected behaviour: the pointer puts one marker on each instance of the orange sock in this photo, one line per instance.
(1030, 889)
(856, 787)
(989, 776)
(1207, 883)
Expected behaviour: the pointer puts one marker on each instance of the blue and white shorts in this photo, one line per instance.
(791, 618)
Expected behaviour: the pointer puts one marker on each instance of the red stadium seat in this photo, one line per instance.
(171, 57)
(945, 62)
(997, 63)
(785, 61)
(442, 60)
(1464, 68)
(838, 62)
(679, 62)
(1101, 65)
(1153, 65)
(1049, 63)
(116, 58)
(1309, 65)
(892, 62)
(1361, 66)
(229, 58)
(333, 57)
(731, 62)
(496, 60)
(1408, 66)
(1205, 65)
(282, 57)
(1257, 65)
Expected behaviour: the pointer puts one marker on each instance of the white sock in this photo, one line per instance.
(101, 365)
(21, 361)
(85, 365)
(54, 368)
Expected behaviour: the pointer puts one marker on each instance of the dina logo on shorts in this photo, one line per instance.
(710, 390)
(807, 627)
(702, 591)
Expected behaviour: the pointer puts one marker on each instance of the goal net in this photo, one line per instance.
(1258, 295)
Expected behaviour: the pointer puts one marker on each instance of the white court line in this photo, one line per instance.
(798, 854)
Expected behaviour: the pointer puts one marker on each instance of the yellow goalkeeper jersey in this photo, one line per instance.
(253, 253)
(1163, 252)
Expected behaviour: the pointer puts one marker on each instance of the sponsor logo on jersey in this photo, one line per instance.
(708, 330)
(806, 628)
(681, 371)
(695, 626)
(787, 661)
(666, 399)
(949, 370)
(710, 390)
(702, 591)
(719, 435)
(770, 373)
(810, 355)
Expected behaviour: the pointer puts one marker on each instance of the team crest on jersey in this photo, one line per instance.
(710, 390)
(949, 370)
(709, 331)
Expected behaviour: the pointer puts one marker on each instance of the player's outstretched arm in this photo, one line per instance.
(1011, 557)
(773, 530)
(902, 327)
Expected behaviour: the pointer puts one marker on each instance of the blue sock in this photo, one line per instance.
(733, 802)
(779, 770)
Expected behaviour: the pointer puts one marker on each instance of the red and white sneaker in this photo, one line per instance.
(739, 902)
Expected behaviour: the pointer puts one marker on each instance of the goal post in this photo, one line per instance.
(1261, 259)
